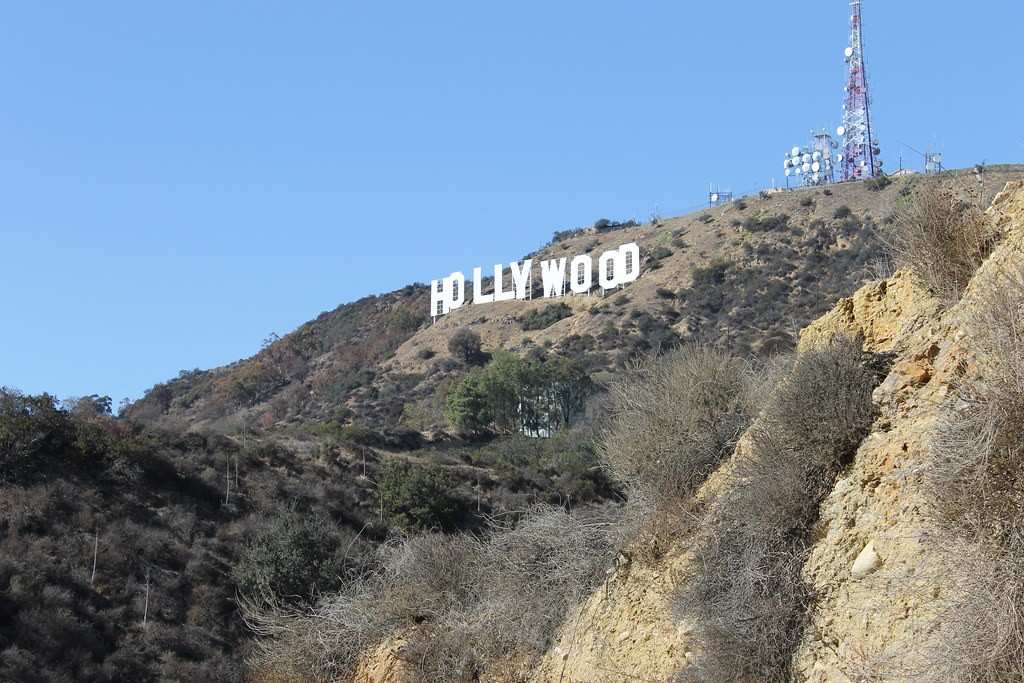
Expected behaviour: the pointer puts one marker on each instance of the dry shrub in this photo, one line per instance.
(942, 238)
(674, 419)
(975, 483)
(464, 603)
(745, 591)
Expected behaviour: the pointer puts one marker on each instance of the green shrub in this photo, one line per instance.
(878, 183)
(292, 558)
(420, 496)
(542, 318)
(465, 346)
(777, 222)
(659, 252)
(842, 212)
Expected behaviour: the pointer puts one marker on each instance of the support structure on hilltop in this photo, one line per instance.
(859, 157)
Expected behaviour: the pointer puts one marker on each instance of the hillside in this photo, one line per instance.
(900, 591)
(864, 526)
(321, 478)
(745, 276)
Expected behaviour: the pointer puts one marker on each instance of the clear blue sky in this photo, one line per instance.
(178, 180)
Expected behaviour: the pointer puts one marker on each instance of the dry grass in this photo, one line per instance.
(975, 483)
(673, 419)
(746, 592)
(942, 238)
(463, 603)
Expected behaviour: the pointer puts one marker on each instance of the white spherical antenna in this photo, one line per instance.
(714, 197)
(807, 168)
(807, 158)
(816, 156)
(795, 152)
(848, 52)
(788, 171)
(815, 167)
(841, 131)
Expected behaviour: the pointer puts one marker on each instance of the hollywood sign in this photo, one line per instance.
(614, 268)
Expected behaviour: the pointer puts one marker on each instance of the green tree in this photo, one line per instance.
(32, 428)
(469, 409)
(570, 386)
(465, 345)
(512, 394)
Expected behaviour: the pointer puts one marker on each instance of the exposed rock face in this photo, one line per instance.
(874, 566)
(877, 574)
(625, 632)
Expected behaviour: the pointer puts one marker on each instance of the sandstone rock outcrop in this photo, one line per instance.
(874, 567)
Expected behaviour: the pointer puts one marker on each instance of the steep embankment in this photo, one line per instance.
(875, 565)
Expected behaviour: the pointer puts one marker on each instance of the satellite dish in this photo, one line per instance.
(787, 172)
(807, 158)
(807, 168)
(816, 156)
(815, 167)
(848, 52)
(841, 131)
(714, 197)
(795, 152)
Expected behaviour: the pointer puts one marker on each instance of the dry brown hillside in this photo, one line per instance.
(906, 565)
(746, 276)
(891, 583)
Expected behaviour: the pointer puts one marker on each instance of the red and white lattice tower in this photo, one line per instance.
(859, 151)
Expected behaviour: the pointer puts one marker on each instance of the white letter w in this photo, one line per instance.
(553, 277)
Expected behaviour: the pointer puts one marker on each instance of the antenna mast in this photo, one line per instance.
(860, 150)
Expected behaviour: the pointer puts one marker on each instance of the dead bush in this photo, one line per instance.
(475, 602)
(942, 238)
(673, 419)
(975, 484)
(745, 592)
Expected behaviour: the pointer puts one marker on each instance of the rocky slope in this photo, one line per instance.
(875, 567)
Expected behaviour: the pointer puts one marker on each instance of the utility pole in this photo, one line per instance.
(227, 482)
(145, 609)
(95, 553)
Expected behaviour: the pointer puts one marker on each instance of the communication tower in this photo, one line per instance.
(812, 165)
(859, 156)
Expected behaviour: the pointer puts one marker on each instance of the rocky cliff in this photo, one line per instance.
(876, 567)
